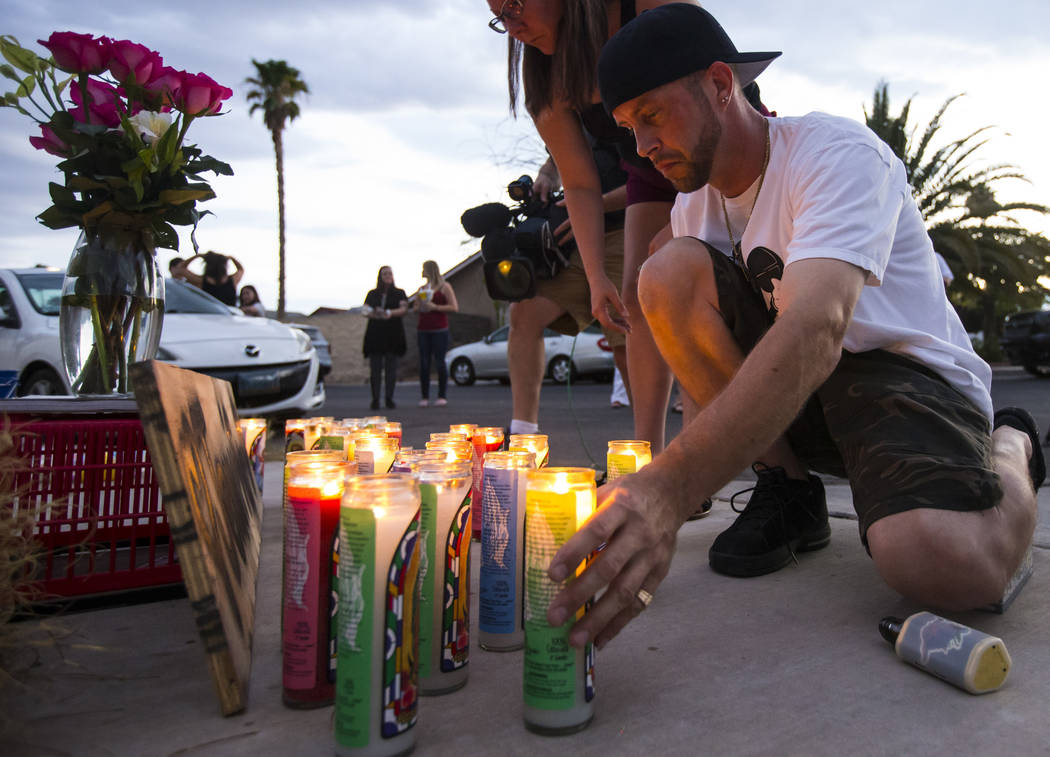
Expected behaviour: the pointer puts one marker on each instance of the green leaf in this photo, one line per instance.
(27, 87)
(166, 236)
(24, 60)
(180, 196)
(84, 184)
(56, 218)
(9, 73)
(61, 195)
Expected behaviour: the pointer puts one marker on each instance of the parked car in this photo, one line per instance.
(323, 347)
(272, 367)
(592, 357)
(1026, 340)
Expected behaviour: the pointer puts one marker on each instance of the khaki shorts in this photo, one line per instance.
(569, 289)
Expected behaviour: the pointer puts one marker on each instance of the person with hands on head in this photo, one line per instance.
(216, 279)
(557, 43)
(801, 308)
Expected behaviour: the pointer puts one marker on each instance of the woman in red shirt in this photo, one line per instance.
(434, 301)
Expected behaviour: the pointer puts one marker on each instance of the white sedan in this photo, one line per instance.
(271, 367)
(486, 359)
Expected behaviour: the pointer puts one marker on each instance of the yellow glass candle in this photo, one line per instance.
(376, 700)
(558, 678)
(444, 618)
(374, 454)
(535, 443)
(626, 456)
(502, 551)
(359, 433)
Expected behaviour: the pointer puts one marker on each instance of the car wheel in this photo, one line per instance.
(462, 371)
(41, 381)
(561, 370)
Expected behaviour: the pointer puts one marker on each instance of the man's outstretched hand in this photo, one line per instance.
(638, 520)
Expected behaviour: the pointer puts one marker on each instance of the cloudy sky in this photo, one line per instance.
(407, 123)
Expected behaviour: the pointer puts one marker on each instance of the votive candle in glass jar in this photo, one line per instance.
(626, 456)
(371, 421)
(449, 436)
(254, 431)
(315, 429)
(376, 699)
(407, 460)
(444, 618)
(454, 449)
(294, 434)
(537, 444)
(315, 491)
(374, 454)
(391, 429)
(355, 423)
(336, 436)
(359, 433)
(558, 678)
(467, 429)
(485, 439)
(502, 551)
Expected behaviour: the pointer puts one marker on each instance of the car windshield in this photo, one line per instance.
(44, 290)
(180, 297)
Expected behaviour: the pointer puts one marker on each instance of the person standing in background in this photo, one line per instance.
(435, 300)
(385, 334)
(216, 280)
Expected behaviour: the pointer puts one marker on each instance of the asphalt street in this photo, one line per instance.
(579, 419)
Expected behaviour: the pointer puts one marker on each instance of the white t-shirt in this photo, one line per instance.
(834, 190)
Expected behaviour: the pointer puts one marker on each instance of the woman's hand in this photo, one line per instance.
(638, 520)
(425, 306)
(607, 306)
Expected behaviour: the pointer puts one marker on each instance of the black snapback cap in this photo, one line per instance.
(664, 44)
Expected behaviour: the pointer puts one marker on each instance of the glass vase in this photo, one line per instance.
(112, 310)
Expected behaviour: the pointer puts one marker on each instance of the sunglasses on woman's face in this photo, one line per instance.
(510, 10)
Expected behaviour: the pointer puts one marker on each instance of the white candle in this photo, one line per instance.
(558, 678)
(537, 444)
(454, 450)
(626, 456)
(374, 454)
(444, 574)
(502, 551)
(376, 686)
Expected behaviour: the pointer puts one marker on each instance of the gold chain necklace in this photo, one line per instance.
(738, 254)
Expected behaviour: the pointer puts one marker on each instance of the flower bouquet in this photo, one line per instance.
(117, 118)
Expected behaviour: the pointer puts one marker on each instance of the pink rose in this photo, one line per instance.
(50, 142)
(200, 95)
(162, 84)
(77, 53)
(102, 103)
(131, 63)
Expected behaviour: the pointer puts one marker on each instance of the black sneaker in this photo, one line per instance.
(374, 405)
(784, 516)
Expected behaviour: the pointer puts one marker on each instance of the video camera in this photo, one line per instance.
(517, 244)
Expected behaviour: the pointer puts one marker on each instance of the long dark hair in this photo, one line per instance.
(380, 284)
(571, 72)
(215, 266)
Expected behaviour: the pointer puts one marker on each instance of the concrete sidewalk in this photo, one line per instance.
(790, 663)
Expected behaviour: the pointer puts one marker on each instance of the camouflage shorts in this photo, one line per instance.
(901, 435)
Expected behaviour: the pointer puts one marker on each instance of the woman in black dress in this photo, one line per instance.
(385, 333)
(215, 280)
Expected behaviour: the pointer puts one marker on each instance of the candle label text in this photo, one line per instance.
(619, 465)
(499, 558)
(302, 532)
(554, 671)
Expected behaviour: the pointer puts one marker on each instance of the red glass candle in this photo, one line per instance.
(315, 491)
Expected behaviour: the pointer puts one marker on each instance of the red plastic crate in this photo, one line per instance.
(101, 526)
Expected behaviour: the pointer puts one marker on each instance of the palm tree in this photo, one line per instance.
(274, 89)
(997, 260)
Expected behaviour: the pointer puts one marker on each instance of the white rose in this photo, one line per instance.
(151, 126)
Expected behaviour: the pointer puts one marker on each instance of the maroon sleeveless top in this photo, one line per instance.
(434, 321)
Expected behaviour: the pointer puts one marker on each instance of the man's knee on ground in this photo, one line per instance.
(921, 555)
(669, 280)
